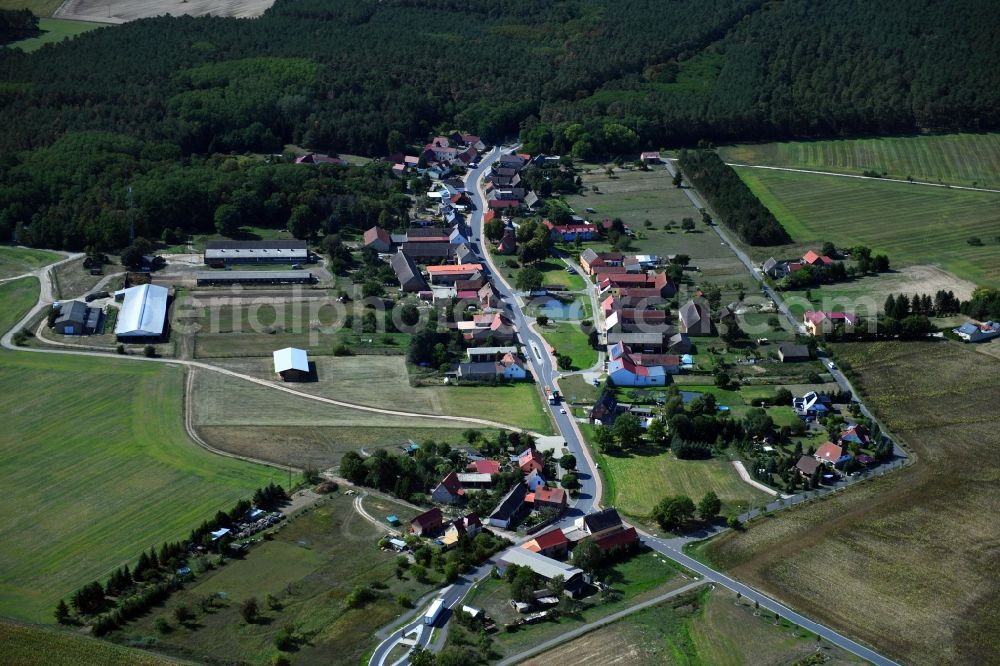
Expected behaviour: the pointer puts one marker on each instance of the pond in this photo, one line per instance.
(557, 310)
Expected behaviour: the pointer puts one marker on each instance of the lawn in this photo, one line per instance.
(637, 481)
(16, 298)
(701, 627)
(96, 471)
(309, 567)
(554, 274)
(912, 224)
(570, 340)
(971, 160)
(53, 30)
(19, 260)
(643, 576)
(920, 542)
(27, 645)
(577, 390)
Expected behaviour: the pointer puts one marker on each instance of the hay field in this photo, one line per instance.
(122, 11)
(911, 557)
(19, 260)
(912, 224)
(970, 160)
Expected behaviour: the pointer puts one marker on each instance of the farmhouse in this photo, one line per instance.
(791, 353)
(973, 332)
(77, 318)
(226, 252)
(428, 252)
(694, 319)
(429, 522)
(409, 277)
(291, 364)
(508, 367)
(819, 322)
(143, 313)
(209, 278)
(618, 537)
(627, 369)
(449, 490)
(544, 567)
(547, 498)
(530, 461)
(813, 259)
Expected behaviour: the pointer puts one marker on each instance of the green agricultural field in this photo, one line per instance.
(19, 260)
(635, 482)
(913, 224)
(920, 541)
(16, 299)
(28, 645)
(570, 340)
(701, 627)
(970, 160)
(309, 567)
(53, 31)
(96, 471)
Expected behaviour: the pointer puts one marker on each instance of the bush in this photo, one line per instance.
(404, 601)
(149, 351)
(120, 349)
(162, 626)
(342, 350)
(20, 337)
(250, 610)
(284, 640)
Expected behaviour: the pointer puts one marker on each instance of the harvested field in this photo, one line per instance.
(28, 645)
(18, 260)
(122, 11)
(920, 544)
(706, 627)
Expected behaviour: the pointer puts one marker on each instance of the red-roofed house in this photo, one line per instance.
(570, 232)
(448, 274)
(378, 239)
(617, 537)
(814, 259)
(818, 322)
(552, 544)
(531, 461)
(429, 522)
(829, 453)
(484, 467)
(449, 491)
(550, 498)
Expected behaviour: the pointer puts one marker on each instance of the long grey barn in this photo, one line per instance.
(207, 278)
(223, 253)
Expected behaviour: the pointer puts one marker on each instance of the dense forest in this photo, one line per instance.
(17, 24)
(584, 77)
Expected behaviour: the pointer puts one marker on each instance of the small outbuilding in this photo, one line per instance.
(291, 364)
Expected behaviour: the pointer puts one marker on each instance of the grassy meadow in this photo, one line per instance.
(701, 627)
(19, 260)
(920, 542)
(912, 224)
(309, 567)
(53, 30)
(970, 160)
(16, 298)
(570, 340)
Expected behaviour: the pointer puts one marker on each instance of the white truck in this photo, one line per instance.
(434, 612)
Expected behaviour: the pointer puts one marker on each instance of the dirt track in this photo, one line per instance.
(122, 11)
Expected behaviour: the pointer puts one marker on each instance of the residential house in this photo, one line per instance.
(410, 279)
(570, 232)
(627, 369)
(484, 327)
(598, 521)
(819, 322)
(489, 297)
(856, 434)
(605, 409)
(831, 454)
(464, 254)
(532, 201)
(531, 460)
(548, 498)
(813, 259)
(679, 343)
(448, 274)
(510, 508)
(481, 354)
(811, 404)
(508, 367)
(774, 268)
(468, 525)
(534, 480)
(978, 332)
(589, 260)
(77, 318)
(694, 319)
(427, 523)
(552, 544)
(792, 353)
(449, 490)
(490, 467)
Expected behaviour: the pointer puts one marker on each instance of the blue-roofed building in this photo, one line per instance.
(973, 332)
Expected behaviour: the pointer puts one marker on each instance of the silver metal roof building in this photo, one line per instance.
(143, 313)
(250, 252)
(291, 358)
(253, 277)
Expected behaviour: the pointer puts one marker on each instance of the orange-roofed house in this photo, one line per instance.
(378, 239)
(815, 259)
(550, 498)
(531, 461)
(831, 454)
(552, 544)
(484, 467)
(448, 274)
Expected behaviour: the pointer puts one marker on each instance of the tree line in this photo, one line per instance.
(741, 211)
